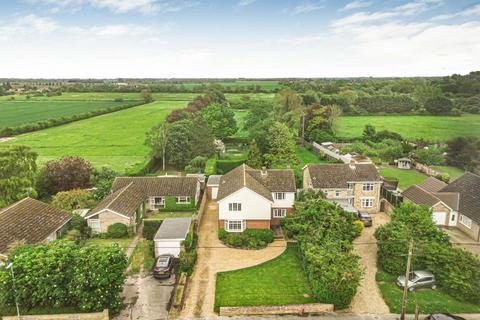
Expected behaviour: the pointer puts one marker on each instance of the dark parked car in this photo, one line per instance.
(443, 316)
(365, 218)
(418, 279)
(163, 267)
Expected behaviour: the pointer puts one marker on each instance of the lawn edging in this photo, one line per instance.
(300, 309)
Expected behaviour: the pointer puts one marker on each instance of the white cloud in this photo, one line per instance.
(244, 3)
(28, 25)
(307, 7)
(118, 30)
(356, 5)
(472, 11)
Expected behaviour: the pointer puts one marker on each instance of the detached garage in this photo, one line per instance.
(212, 186)
(170, 235)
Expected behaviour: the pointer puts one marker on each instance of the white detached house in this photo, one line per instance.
(254, 199)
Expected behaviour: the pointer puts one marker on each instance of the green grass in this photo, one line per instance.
(165, 215)
(280, 281)
(434, 128)
(16, 113)
(429, 301)
(406, 178)
(143, 255)
(115, 140)
(306, 156)
(452, 171)
(122, 243)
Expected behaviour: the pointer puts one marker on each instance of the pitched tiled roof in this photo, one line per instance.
(420, 196)
(451, 199)
(337, 175)
(160, 186)
(29, 220)
(432, 185)
(468, 186)
(273, 180)
(128, 193)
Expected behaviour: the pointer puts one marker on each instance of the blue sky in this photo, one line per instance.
(238, 38)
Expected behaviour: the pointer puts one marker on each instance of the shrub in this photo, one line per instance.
(250, 238)
(190, 241)
(265, 235)
(77, 222)
(235, 240)
(358, 228)
(222, 234)
(117, 230)
(150, 227)
(187, 261)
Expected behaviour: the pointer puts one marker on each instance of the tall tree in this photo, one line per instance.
(179, 148)
(288, 108)
(255, 158)
(464, 152)
(439, 105)
(425, 91)
(157, 140)
(203, 140)
(221, 119)
(146, 95)
(281, 146)
(17, 174)
(333, 117)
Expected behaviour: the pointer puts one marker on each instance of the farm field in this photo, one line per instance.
(434, 128)
(16, 113)
(115, 140)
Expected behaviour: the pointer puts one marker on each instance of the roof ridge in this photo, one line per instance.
(14, 204)
(244, 176)
(122, 190)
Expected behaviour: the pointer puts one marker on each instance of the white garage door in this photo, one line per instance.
(439, 218)
(167, 247)
(214, 192)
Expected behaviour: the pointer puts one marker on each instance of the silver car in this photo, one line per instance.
(418, 279)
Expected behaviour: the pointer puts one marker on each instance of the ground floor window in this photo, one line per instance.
(183, 200)
(466, 221)
(279, 213)
(94, 224)
(367, 202)
(157, 202)
(234, 225)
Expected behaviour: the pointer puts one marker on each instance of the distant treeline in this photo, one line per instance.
(12, 131)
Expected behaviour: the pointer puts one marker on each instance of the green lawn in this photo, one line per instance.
(123, 243)
(306, 156)
(280, 281)
(16, 113)
(434, 128)
(115, 140)
(452, 171)
(143, 256)
(406, 178)
(429, 301)
(165, 215)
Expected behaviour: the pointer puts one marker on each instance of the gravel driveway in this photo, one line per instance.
(369, 298)
(214, 257)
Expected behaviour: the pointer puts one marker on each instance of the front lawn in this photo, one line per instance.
(123, 243)
(406, 178)
(280, 281)
(429, 301)
(165, 215)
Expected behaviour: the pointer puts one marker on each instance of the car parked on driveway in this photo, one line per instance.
(443, 316)
(365, 218)
(418, 279)
(163, 267)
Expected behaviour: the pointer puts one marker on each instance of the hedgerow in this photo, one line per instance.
(249, 239)
(63, 274)
(325, 233)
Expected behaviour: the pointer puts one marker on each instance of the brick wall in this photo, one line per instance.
(276, 221)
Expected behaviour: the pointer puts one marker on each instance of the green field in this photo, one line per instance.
(115, 139)
(16, 113)
(264, 84)
(434, 128)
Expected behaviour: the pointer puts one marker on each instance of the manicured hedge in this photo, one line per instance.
(150, 227)
(211, 167)
(249, 239)
(224, 166)
(117, 231)
(172, 205)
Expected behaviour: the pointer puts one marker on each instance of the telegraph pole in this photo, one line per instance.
(405, 285)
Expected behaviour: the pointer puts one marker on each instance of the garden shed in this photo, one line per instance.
(212, 186)
(169, 237)
(404, 163)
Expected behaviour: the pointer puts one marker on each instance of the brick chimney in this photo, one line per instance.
(264, 171)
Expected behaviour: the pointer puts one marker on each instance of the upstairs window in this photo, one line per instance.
(368, 186)
(235, 207)
(279, 195)
(337, 193)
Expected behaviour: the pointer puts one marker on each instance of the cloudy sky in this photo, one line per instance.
(238, 38)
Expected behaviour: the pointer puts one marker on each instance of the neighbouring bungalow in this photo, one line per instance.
(444, 205)
(131, 197)
(358, 184)
(30, 221)
(254, 199)
(468, 188)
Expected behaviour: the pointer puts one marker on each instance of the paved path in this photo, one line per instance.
(214, 257)
(461, 240)
(369, 298)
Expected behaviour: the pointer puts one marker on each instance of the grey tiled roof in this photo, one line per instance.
(420, 196)
(29, 220)
(272, 180)
(468, 186)
(337, 175)
(432, 185)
